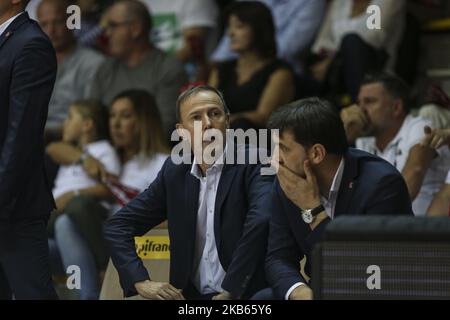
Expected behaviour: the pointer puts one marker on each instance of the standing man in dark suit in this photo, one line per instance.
(217, 215)
(320, 178)
(27, 76)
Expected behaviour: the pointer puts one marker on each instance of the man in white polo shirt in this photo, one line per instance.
(381, 125)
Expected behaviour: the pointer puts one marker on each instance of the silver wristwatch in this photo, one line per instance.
(308, 215)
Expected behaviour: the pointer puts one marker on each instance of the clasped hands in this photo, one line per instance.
(154, 290)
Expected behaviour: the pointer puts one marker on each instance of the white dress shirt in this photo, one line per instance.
(208, 271)
(6, 24)
(397, 151)
(329, 204)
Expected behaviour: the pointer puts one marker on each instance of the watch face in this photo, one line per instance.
(307, 217)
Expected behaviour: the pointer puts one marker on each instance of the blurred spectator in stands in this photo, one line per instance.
(136, 63)
(296, 24)
(347, 47)
(186, 28)
(85, 128)
(382, 117)
(255, 83)
(91, 32)
(440, 206)
(76, 65)
(136, 132)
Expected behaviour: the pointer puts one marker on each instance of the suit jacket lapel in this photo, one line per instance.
(348, 185)
(8, 33)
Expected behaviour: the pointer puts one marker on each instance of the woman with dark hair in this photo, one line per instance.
(255, 83)
(137, 134)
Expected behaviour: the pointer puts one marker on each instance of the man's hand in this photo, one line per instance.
(436, 138)
(63, 200)
(223, 296)
(95, 169)
(158, 290)
(302, 292)
(355, 122)
(304, 193)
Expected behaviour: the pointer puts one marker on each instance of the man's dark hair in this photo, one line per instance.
(258, 16)
(394, 85)
(193, 91)
(25, 2)
(312, 121)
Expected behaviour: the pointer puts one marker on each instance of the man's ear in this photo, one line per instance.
(398, 107)
(136, 30)
(317, 154)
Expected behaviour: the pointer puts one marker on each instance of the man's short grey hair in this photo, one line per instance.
(193, 91)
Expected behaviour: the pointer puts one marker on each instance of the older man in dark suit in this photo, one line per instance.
(27, 76)
(216, 210)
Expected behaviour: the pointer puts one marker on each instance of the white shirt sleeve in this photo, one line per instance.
(107, 155)
(447, 181)
(288, 293)
(416, 133)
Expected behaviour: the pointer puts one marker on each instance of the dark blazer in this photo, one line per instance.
(241, 226)
(27, 76)
(369, 186)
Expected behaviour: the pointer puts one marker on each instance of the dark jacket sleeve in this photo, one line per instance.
(391, 197)
(33, 78)
(283, 253)
(140, 215)
(252, 245)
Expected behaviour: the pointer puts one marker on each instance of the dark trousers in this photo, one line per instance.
(24, 262)
(358, 58)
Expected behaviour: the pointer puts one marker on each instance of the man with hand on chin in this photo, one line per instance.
(319, 178)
